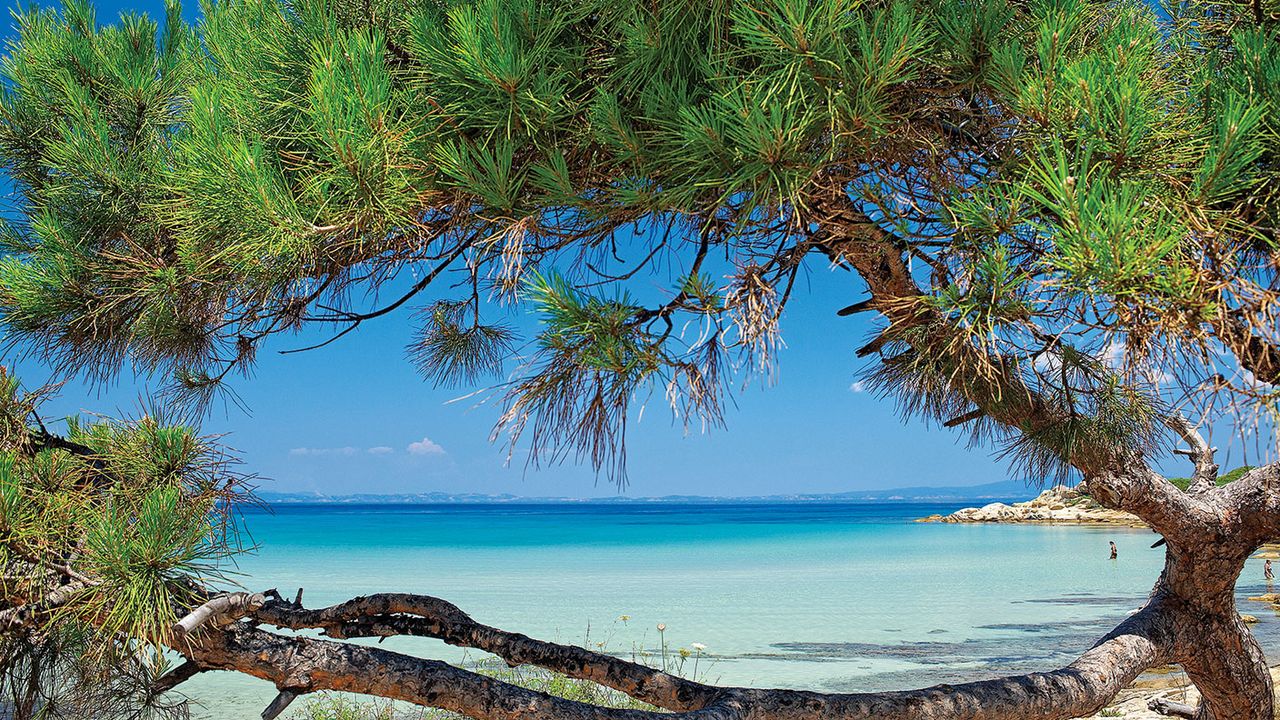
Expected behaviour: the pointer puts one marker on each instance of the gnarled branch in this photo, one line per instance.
(1198, 450)
(1120, 479)
(392, 614)
(302, 664)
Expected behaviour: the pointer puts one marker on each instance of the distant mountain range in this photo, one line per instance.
(1007, 490)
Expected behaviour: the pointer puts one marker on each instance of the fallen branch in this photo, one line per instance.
(391, 614)
(176, 677)
(301, 664)
(1162, 706)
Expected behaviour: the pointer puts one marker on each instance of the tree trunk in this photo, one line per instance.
(1190, 617)
(1212, 643)
(1226, 664)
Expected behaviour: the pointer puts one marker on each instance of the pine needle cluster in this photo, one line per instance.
(1066, 178)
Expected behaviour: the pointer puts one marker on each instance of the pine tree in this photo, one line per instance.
(1064, 212)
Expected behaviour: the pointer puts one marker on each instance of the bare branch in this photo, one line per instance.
(26, 614)
(861, 306)
(1202, 456)
(1162, 706)
(305, 664)
(403, 614)
(279, 704)
(962, 419)
(176, 677)
(221, 609)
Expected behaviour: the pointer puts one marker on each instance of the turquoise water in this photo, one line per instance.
(823, 596)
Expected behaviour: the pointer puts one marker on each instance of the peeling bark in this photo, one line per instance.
(218, 608)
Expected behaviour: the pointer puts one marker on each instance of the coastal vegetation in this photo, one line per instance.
(1063, 213)
(339, 707)
(1064, 505)
(1184, 483)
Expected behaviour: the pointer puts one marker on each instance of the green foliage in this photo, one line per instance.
(1223, 478)
(1108, 240)
(107, 535)
(591, 358)
(1074, 175)
(454, 349)
(140, 549)
(1069, 209)
(57, 675)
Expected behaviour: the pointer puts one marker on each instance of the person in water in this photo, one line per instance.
(1113, 550)
(1266, 571)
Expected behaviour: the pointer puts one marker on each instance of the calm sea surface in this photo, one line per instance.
(810, 595)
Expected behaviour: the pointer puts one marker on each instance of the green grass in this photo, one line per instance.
(332, 706)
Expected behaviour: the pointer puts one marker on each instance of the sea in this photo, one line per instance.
(832, 596)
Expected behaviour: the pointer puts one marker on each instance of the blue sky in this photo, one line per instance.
(355, 417)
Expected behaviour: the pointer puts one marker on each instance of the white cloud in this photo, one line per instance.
(1047, 363)
(324, 452)
(380, 450)
(858, 387)
(1116, 354)
(425, 446)
(1251, 381)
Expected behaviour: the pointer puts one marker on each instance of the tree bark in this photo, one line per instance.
(1190, 617)
(1223, 660)
(1215, 647)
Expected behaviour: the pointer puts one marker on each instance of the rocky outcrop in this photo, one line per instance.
(1057, 505)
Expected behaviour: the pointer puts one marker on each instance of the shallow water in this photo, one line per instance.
(810, 595)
